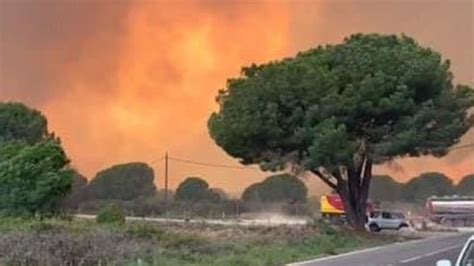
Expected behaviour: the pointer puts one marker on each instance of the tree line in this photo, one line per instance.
(418, 189)
(36, 177)
(134, 182)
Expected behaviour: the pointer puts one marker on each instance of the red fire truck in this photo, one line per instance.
(331, 206)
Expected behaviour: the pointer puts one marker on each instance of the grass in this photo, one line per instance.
(55, 241)
(273, 254)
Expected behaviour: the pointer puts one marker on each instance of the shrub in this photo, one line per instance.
(324, 227)
(111, 214)
(61, 247)
(34, 179)
(147, 231)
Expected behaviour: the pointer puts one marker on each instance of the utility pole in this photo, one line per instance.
(166, 183)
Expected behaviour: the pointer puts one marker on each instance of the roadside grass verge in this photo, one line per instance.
(60, 242)
(277, 253)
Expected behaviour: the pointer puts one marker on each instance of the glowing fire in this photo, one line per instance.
(128, 81)
(172, 60)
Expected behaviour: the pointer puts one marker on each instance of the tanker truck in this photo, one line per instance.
(451, 211)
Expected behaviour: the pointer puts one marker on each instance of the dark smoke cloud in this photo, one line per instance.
(40, 38)
(446, 26)
(120, 80)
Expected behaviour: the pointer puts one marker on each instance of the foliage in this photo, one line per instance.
(386, 91)
(427, 185)
(277, 188)
(195, 189)
(466, 186)
(19, 122)
(112, 214)
(252, 193)
(34, 172)
(337, 110)
(33, 178)
(222, 194)
(123, 182)
(145, 230)
(58, 242)
(385, 188)
(78, 191)
(141, 207)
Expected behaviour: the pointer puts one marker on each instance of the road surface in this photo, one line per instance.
(424, 252)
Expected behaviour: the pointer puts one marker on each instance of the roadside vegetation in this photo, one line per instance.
(85, 242)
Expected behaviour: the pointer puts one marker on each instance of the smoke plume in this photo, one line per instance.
(128, 80)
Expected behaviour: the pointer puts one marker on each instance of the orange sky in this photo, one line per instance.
(128, 80)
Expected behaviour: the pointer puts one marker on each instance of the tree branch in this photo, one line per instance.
(360, 159)
(366, 178)
(324, 179)
(337, 175)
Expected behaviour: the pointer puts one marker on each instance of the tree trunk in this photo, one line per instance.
(354, 193)
(353, 189)
(355, 211)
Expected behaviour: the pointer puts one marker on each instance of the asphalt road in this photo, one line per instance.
(414, 253)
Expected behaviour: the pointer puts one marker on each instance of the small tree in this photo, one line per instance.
(427, 185)
(277, 188)
(123, 182)
(195, 189)
(33, 179)
(219, 191)
(385, 188)
(466, 186)
(337, 110)
(18, 122)
(78, 191)
(34, 169)
(252, 193)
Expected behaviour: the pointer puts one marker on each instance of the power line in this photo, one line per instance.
(201, 163)
(462, 147)
(155, 161)
(182, 160)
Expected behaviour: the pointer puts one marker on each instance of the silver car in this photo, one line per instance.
(379, 220)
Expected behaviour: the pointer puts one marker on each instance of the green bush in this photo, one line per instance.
(145, 231)
(111, 214)
(34, 179)
(324, 227)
